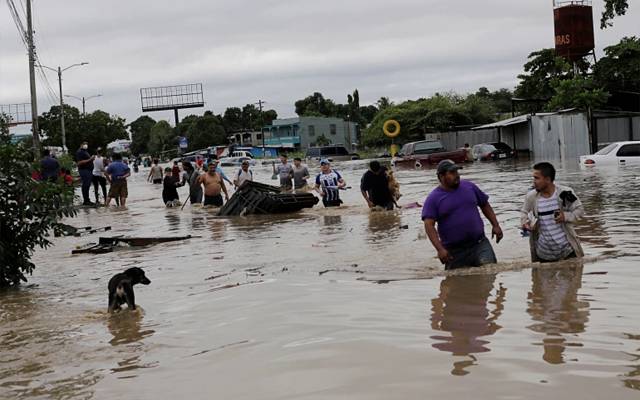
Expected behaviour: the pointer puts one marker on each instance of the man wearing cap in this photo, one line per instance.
(459, 240)
(328, 184)
(243, 175)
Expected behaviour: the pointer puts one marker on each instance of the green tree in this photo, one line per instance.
(315, 106)
(206, 131)
(435, 114)
(323, 141)
(579, 92)
(232, 119)
(161, 138)
(500, 99)
(384, 103)
(619, 69)
(612, 8)
(29, 210)
(542, 68)
(98, 128)
(140, 134)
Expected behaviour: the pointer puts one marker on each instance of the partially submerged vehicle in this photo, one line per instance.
(492, 151)
(426, 152)
(617, 153)
(331, 152)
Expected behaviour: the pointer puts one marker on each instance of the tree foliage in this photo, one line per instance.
(98, 128)
(578, 92)
(29, 210)
(612, 8)
(435, 114)
(619, 69)
(205, 131)
(237, 119)
(161, 138)
(543, 67)
(140, 134)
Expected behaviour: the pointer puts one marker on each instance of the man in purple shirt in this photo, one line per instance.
(460, 240)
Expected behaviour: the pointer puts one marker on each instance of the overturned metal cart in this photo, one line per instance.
(258, 198)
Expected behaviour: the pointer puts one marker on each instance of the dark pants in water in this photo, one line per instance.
(86, 175)
(100, 181)
(472, 254)
(213, 200)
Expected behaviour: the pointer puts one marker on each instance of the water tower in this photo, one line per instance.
(573, 29)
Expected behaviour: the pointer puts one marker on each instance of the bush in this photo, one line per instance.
(29, 210)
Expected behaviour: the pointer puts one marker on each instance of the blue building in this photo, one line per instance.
(300, 133)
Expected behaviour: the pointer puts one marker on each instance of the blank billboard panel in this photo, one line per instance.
(171, 97)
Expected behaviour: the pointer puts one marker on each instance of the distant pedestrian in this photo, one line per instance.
(300, 175)
(191, 178)
(49, 167)
(374, 186)
(99, 178)
(155, 174)
(243, 175)
(328, 185)
(549, 213)
(460, 240)
(170, 185)
(284, 170)
(469, 151)
(84, 162)
(118, 172)
(175, 171)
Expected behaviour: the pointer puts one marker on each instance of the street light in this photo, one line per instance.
(83, 100)
(60, 70)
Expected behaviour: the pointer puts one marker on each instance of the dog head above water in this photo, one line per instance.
(137, 276)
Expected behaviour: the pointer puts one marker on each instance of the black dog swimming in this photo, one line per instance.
(121, 288)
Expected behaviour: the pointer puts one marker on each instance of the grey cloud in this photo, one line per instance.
(281, 50)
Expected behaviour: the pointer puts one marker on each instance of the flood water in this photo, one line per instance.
(333, 304)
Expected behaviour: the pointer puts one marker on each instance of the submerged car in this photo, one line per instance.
(617, 153)
(492, 151)
(332, 153)
(424, 153)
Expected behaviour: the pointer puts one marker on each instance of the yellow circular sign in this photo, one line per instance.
(389, 123)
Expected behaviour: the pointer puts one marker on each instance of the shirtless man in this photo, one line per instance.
(213, 185)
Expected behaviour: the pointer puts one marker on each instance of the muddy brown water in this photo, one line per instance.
(333, 304)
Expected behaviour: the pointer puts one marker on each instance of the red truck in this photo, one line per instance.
(422, 154)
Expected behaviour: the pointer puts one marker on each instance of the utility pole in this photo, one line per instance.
(60, 70)
(32, 83)
(260, 103)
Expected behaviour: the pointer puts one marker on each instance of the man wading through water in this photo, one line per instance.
(213, 185)
(549, 212)
(85, 168)
(460, 239)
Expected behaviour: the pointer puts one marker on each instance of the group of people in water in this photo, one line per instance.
(450, 213)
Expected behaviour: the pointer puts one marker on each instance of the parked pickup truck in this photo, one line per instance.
(422, 154)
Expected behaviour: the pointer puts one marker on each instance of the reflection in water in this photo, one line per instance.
(461, 309)
(218, 228)
(383, 226)
(173, 220)
(632, 378)
(126, 329)
(331, 224)
(554, 306)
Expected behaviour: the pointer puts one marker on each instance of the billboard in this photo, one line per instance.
(171, 97)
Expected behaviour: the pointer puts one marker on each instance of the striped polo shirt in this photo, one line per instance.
(552, 242)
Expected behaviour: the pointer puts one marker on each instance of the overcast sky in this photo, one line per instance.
(279, 50)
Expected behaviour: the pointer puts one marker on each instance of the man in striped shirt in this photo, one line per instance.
(328, 184)
(549, 212)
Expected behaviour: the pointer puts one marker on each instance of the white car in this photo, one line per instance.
(617, 153)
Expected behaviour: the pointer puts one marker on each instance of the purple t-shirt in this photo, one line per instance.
(456, 213)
